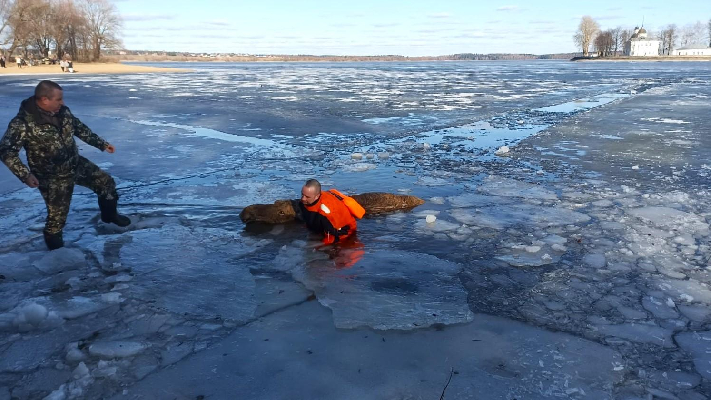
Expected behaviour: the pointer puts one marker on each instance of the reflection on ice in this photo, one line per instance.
(212, 133)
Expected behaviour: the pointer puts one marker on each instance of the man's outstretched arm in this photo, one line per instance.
(87, 135)
(10, 145)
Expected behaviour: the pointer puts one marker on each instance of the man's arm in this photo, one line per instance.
(87, 135)
(10, 145)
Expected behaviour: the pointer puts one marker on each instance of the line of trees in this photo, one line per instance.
(79, 29)
(611, 42)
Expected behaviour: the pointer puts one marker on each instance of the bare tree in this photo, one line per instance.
(19, 21)
(617, 41)
(587, 30)
(668, 37)
(693, 34)
(604, 43)
(103, 25)
(708, 31)
(663, 39)
(625, 36)
(40, 26)
(68, 23)
(5, 7)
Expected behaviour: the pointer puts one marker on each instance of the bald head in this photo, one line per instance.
(311, 192)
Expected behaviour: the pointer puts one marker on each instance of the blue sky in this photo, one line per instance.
(377, 27)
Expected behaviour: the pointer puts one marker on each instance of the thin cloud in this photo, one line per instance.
(472, 35)
(213, 36)
(442, 15)
(507, 8)
(434, 30)
(385, 25)
(609, 17)
(147, 17)
(218, 22)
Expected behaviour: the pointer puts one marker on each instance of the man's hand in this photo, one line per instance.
(110, 148)
(31, 181)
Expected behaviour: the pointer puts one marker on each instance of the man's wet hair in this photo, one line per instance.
(46, 89)
(313, 183)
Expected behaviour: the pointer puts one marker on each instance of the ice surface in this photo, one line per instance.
(505, 187)
(61, 260)
(503, 216)
(699, 345)
(502, 150)
(167, 261)
(383, 290)
(643, 333)
(666, 217)
(118, 349)
(486, 358)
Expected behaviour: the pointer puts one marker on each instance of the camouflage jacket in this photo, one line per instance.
(48, 142)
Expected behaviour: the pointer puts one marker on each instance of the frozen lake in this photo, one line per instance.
(575, 265)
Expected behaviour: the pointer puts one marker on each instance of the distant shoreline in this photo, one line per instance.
(311, 58)
(659, 59)
(87, 69)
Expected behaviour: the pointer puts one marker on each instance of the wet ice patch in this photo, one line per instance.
(388, 290)
(583, 104)
(504, 216)
(671, 218)
(506, 187)
(117, 349)
(523, 258)
(410, 120)
(699, 345)
(185, 271)
(359, 167)
(640, 333)
(60, 260)
(666, 120)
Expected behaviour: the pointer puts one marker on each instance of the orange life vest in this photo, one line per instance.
(335, 211)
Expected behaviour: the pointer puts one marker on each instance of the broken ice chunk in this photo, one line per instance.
(502, 150)
(118, 349)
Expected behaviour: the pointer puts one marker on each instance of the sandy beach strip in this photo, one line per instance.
(88, 68)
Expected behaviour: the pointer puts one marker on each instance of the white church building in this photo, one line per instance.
(640, 46)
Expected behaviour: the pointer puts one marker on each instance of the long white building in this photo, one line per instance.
(640, 46)
(693, 51)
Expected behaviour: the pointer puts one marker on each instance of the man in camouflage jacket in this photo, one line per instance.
(45, 128)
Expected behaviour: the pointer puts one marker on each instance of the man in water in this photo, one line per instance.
(325, 213)
(45, 128)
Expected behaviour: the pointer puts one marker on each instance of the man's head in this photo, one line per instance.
(311, 192)
(49, 96)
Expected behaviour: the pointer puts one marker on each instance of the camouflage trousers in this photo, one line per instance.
(57, 192)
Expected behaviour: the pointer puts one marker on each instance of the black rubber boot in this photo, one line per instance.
(109, 213)
(53, 241)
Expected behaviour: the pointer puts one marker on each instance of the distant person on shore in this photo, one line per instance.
(70, 67)
(2, 62)
(19, 62)
(62, 65)
(45, 128)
